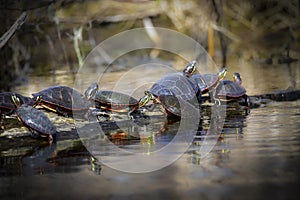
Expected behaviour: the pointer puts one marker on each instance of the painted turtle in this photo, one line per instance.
(178, 85)
(111, 100)
(114, 101)
(64, 100)
(206, 82)
(35, 120)
(7, 106)
(120, 102)
(228, 91)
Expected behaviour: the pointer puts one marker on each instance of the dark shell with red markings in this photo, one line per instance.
(175, 84)
(114, 101)
(175, 107)
(7, 106)
(36, 120)
(171, 105)
(205, 81)
(63, 99)
(229, 90)
(175, 88)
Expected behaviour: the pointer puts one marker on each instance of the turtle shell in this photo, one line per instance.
(36, 120)
(176, 84)
(171, 105)
(63, 99)
(229, 90)
(176, 108)
(205, 81)
(114, 101)
(173, 89)
(7, 106)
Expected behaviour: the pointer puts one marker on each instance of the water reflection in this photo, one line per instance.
(142, 135)
(260, 149)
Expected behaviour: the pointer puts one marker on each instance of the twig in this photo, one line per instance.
(152, 33)
(226, 32)
(18, 23)
(76, 39)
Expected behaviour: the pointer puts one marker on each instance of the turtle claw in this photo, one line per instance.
(106, 116)
(35, 134)
(139, 110)
(130, 115)
(51, 139)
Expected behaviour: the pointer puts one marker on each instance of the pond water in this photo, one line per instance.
(256, 156)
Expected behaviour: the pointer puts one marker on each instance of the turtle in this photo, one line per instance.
(230, 91)
(64, 100)
(35, 120)
(114, 101)
(178, 85)
(7, 106)
(206, 82)
(111, 100)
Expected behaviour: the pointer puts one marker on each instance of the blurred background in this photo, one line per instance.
(50, 39)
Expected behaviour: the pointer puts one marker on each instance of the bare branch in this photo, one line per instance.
(18, 23)
(226, 32)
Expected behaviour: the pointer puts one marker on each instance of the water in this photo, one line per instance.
(255, 157)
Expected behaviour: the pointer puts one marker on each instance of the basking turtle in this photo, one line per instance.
(120, 102)
(114, 101)
(111, 100)
(64, 100)
(178, 85)
(7, 106)
(229, 91)
(206, 82)
(35, 120)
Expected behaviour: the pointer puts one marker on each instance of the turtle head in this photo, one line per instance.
(222, 74)
(16, 100)
(237, 78)
(190, 68)
(91, 91)
(145, 99)
(37, 100)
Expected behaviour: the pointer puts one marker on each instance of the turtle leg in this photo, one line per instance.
(199, 97)
(217, 101)
(60, 112)
(2, 117)
(52, 138)
(247, 102)
(97, 113)
(213, 97)
(34, 134)
(130, 113)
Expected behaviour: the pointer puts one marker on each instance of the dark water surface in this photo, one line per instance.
(257, 156)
